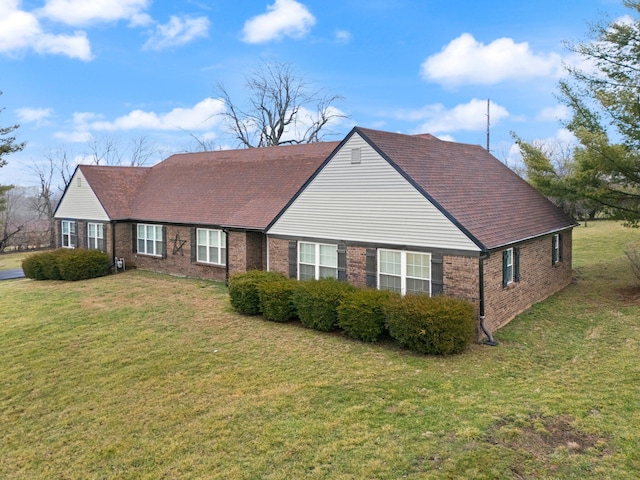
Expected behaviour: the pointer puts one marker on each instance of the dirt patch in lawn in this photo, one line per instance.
(544, 439)
(630, 295)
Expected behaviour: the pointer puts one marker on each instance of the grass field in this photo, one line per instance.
(146, 376)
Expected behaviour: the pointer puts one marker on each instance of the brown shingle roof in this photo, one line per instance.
(478, 192)
(116, 187)
(245, 188)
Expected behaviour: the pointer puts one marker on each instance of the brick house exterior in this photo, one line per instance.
(450, 218)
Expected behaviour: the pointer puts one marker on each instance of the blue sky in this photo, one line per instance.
(77, 71)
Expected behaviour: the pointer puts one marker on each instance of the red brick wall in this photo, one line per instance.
(357, 266)
(538, 279)
(461, 277)
(279, 255)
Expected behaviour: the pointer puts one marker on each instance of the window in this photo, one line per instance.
(69, 235)
(510, 266)
(211, 246)
(317, 260)
(95, 236)
(150, 239)
(556, 249)
(404, 272)
(507, 267)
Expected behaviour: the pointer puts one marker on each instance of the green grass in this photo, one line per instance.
(138, 375)
(10, 261)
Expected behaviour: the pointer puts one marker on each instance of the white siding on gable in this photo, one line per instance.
(79, 201)
(368, 201)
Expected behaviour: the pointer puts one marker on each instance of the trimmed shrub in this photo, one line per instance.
(83, 264)
(316, 302)
(276, 300)
(243, 290)
(434, 325)
(361, 314)
(66, 264)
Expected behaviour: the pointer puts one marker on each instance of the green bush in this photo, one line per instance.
(83, 264)
(66, 264)
(316, 302)
(361, 314)
(434, 325)
(276, 300)
(243, 290)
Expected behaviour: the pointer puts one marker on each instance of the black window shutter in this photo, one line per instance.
(194, 245)
(134, 237)
(516, 264)
(505, 281)
(164, 241)
(371, 268)
(342, 262)
(85, 232)
(437, 274)
(293, 259)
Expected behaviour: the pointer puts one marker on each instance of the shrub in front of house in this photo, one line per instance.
(361, 313)
(276, 299)
(81, 264)
(66, 264)
(433, 325)
(243, 290)
(316, 302)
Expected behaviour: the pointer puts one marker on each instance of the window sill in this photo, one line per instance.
(207, 264)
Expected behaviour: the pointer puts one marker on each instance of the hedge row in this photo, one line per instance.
(66, 264)
(433, 325)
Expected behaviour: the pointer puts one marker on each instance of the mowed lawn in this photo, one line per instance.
(147, 376)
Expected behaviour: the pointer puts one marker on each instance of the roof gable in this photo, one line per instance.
(366, 199)
(244, 188)
(80, 201)
(483, 196)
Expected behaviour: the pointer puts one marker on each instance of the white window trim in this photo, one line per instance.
(403, 269)
(510, 278)
(317, 258)
(155, 239)
(555, 250)
(69, 235)
(221, 241)
(96, 238)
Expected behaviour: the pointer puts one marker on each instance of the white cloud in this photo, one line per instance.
(179, 31)
(202, 116)
(73, 137)
(283, 18)
(558, 112)
(343, 36)
(37, 115)
(21, 31)
(466, 61)
(85, 12)
(470, 116)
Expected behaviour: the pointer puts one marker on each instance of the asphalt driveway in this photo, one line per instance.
(11, 274)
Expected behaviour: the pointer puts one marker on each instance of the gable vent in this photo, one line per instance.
(356, 155)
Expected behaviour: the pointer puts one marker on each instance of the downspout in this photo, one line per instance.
(489, 341)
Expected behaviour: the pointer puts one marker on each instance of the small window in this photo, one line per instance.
(507, 267)
(150, 239)
(69, 234)
(211, 246)
(404, 272)
(556, 249)
(95, 236)
(317, 260)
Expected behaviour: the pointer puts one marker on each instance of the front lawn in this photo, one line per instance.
(139, 375)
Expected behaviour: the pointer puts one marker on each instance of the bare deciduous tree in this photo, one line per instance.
(283, 108)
